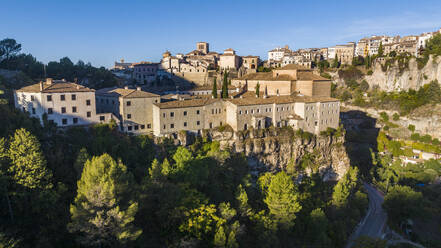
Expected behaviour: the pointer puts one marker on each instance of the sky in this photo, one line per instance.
(104, 31)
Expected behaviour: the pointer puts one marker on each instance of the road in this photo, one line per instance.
(375, 220)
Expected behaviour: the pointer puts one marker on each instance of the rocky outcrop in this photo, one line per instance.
(273, 149)
(410, 78)
(428, 122)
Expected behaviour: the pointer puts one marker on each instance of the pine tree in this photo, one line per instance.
(225, 86)
(282, 199)
(242, 201)
(82, 157)
(380, 50)
(155, 172)
(258, 89)
(28, 166)
(335, 62)
(166, 167)
(345, 187)
(220, 239)
(102, 213)
(214, 91)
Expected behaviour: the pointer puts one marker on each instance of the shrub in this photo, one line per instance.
(326, 75)
(426, 138)
(395, 117)
(386, 128)
(411, 128)
(351, 73)
(384, 117)
(415, 136)
(436, 142)
(370, 72)
(364, 86)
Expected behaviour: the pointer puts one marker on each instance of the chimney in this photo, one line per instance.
(41, 86)
(126, 87)
(49, 81)
(138, 88)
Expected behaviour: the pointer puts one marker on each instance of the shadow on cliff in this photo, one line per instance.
(360, 139)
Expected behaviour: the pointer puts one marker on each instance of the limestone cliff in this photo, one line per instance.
(410, 78)
(273, 149)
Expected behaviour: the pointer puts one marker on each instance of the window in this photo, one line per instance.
(136, 127)
(198, 123)
(185, 124)
(88, 102)
(62, 97)
(129, 128)
(240, 112)
(198, 112)
(32, 98)
(212, 111)
(63, 110)
(164, 127)
(172, 114)
(49, 98)
(74, 109)
(64, 121)
(129, 103)
(142, 126)
(49, 111)
(129, 116)
(246, 112)
(89, 114)
(149, 125)
(75, 120)
(172, 125)
(74, 97)
(163, 115)
(211, 125)
(102, 118)
(185, 113)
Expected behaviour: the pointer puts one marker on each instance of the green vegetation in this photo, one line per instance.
(224, 92)
(12, 59)
(258, 89)
(214, 91)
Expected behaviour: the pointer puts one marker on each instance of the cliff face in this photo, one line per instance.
(274, 149)
(410, 78)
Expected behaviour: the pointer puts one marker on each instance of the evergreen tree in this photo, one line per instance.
(380, 50)
(28, 166)
(282, 199)
(335, 62)
(82, 157)
(166, 167)
(155, 172)
(242, 201)
(220, 239)
(102, 213)
(181, 157)
(225, 86)
(214, 91)
(345, 187)
(258, 89)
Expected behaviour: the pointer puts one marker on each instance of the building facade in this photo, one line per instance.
(63, 103)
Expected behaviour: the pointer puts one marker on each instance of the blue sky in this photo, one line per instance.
(102, 31)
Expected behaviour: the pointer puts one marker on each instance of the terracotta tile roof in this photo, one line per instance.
(210, 87)
(57, 86)
(125, 93)
(249, 98)
(292, 67)
(196, 102)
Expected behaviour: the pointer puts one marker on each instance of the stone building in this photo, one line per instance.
(229, 60)
(345, 53)
(286, 81)
(278, 53)
(145, 72)
(133, 107)
(250, 62)
(64, 103)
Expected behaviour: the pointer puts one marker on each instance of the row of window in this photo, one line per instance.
(172, 125)
(172, 114)
(63, 111)
(258, 110)
(63, 98)
(137, 127)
